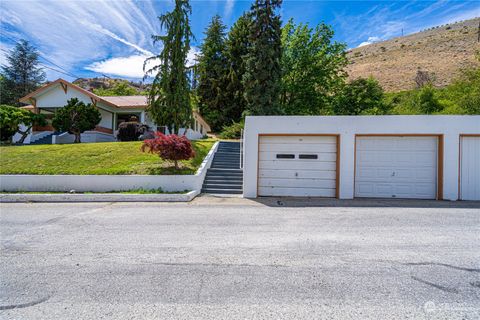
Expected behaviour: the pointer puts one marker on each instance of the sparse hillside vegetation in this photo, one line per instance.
(443, 51)
(112, 87)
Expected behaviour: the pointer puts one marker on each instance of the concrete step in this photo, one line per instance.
(222, 186)
(225, 171)
(226, 179)
(238, 184)
(219, 177)
(228, 155)
(222, 191)
(236, 162)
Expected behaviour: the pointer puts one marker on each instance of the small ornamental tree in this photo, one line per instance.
(12, 117)
(169, 147)
(76, 117)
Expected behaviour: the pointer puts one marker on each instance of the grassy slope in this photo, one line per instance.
(444, 51)
(94, 158)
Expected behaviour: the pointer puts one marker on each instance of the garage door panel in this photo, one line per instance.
(291, 174)
(401, 167)
(298, 165)
(314, 176)
(470, 168)
(375, 159)
(298, 139)
(272, 155)
(285, 147)
(297, 183)
(296, 192)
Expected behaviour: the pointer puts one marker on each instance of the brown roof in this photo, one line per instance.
(127, 101)
(116, 102)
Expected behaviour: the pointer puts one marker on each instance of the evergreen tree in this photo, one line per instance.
(169, 96)
(262, 66)
(21, 75)
(212, 69)
(237, 45)
(76, 117)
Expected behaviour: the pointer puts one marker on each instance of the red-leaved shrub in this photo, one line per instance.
(171, 147)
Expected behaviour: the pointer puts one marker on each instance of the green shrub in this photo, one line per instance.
(232, 131)
(426, 101)
(361, 97)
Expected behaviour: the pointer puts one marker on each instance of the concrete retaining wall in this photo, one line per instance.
(107, 183)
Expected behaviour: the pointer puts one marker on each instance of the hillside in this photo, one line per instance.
(443, 50)
(106, 83)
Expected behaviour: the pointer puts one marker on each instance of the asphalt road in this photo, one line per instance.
(241, 259)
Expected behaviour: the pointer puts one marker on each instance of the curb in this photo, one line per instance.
(96, 197)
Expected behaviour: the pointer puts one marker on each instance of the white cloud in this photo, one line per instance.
(389, 20)
(369, 41)
(75, 33)
(112, 35)
(228, 8)
(132, 66)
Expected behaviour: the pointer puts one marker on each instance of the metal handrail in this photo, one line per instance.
(241, 148)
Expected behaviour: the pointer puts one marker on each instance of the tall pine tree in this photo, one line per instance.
(263, 69)
(237, 45)
(169, 96)
(22, 74)
(212, 70)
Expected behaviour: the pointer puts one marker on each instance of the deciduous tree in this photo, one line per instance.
(169, 147)
(11, 119)
(361, 96)
(313, 68)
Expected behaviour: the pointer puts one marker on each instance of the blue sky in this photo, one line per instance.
(91, 38)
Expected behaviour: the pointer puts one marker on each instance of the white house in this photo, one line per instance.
(113, 110)
(420, 157)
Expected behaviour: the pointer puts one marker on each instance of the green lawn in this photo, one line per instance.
(94, 158)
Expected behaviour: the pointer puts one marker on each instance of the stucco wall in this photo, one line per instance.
(107, 119)
(347, 127)
(55, 97)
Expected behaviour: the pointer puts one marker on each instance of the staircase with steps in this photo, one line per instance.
(44, 140)
(225, 175)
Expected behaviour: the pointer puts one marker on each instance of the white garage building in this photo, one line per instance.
(418, 157)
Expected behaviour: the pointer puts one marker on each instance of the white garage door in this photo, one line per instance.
(396, 167)
(297, 166)
(470, 168)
